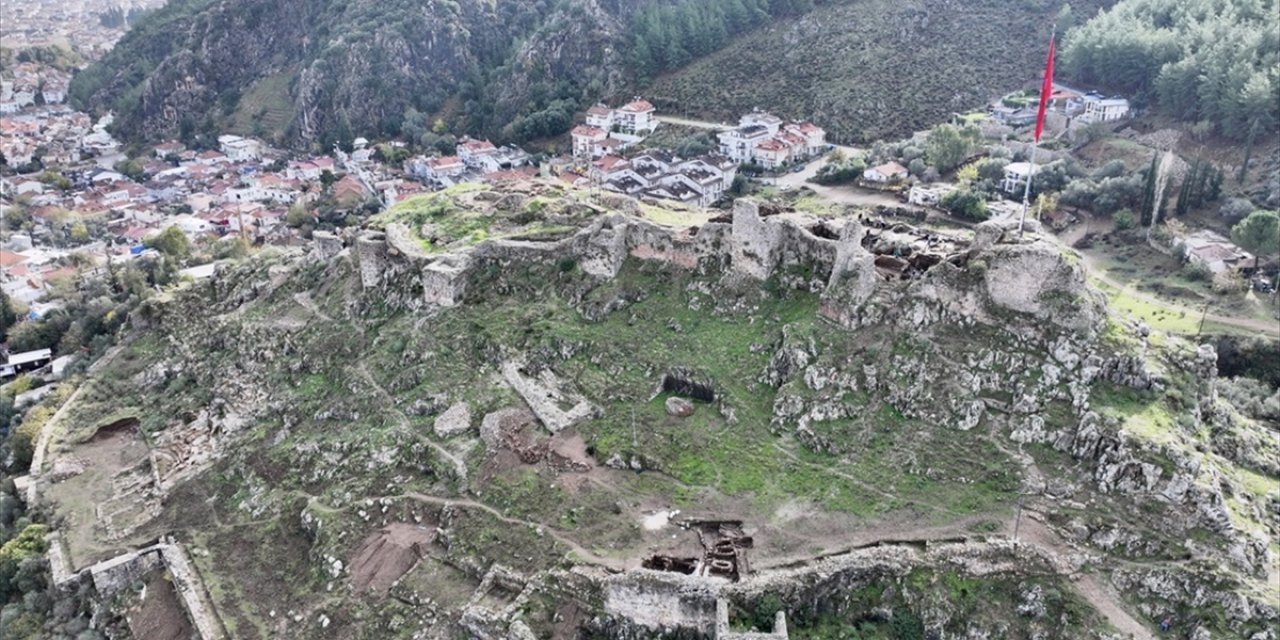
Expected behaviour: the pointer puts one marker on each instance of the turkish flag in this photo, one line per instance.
(1045, 90)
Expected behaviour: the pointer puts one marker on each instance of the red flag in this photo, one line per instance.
(1045, 90)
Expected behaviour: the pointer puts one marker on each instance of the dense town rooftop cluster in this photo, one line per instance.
(75, 22)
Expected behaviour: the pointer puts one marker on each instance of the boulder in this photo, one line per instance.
(454, 421)
(679, 407)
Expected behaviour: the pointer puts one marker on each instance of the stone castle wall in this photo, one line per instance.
(1035, 277)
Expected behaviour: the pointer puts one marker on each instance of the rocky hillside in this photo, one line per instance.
(319, 72)
(531, 413)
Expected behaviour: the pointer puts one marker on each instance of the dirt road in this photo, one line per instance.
(693, 122)
(1101, 597)
(1076, 232)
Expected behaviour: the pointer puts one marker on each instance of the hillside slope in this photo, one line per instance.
(466, 421)
(873, 69)
(327, 68)
(319, 72)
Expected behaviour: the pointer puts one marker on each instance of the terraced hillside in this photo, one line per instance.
(529, 413)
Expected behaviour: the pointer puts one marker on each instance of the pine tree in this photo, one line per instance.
(1215, 184)
(1149, 191)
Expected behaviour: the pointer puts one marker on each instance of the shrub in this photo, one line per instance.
(1124, 220)
(1195, 270)
(1253, 397)
(1236, 209)
(967, 204)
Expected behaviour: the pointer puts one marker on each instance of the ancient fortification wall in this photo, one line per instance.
(1034, 277)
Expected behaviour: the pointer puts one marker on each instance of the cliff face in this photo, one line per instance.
(316, 71)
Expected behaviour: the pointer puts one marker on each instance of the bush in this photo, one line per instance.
(841, 172)
(967, 204)
(1236, 209)
(1252, 397)
(1199, 271)
(1124, 220)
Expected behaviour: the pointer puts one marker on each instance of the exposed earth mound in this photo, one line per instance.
(536, 413)
(388, 554)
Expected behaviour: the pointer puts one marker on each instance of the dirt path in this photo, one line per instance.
(1030, 530)
(459, 466)
(693, 122)
(586, 555)
(861, 484)
(1101, 597)
(307, 303)
(50, 429)
(1250, 324)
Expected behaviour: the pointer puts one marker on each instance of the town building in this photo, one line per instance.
(1100, 109)
(764, 139)
(886, 173)
(1215, 252)
(586, 141)
(239, 149)
(928, 195)
(659, 174)
(1016, 175)
(637, 118)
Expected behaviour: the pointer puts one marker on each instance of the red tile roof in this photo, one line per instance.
(478, 146)
(609, 162)
(890, 169)
(444, 162)
(638, 106)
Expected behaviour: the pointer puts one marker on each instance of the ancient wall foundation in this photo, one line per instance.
(863, 272)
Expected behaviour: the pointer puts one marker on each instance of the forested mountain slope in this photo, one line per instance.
(875, 68)
(317, 71)
(1210, 61)
(329, 70)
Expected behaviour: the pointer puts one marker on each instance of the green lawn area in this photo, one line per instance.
(1158, 291)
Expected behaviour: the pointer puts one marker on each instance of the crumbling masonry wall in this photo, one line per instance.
(1034, 277)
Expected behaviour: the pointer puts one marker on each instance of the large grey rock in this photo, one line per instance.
(679, 407)
(454, 421)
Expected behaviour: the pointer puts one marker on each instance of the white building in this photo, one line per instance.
(240, 149)
(600, 117)
(586, 139)
(440, 169)
(928, 194)
(740, 144)
(477, 154)
(1215, 252)
(637, 117)
(886, 173)
(765, 139)
(1015, 177)
(1100, 109)
(54, 93)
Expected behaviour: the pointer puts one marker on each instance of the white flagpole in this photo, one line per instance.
(1035, 144)
(1026, 193)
